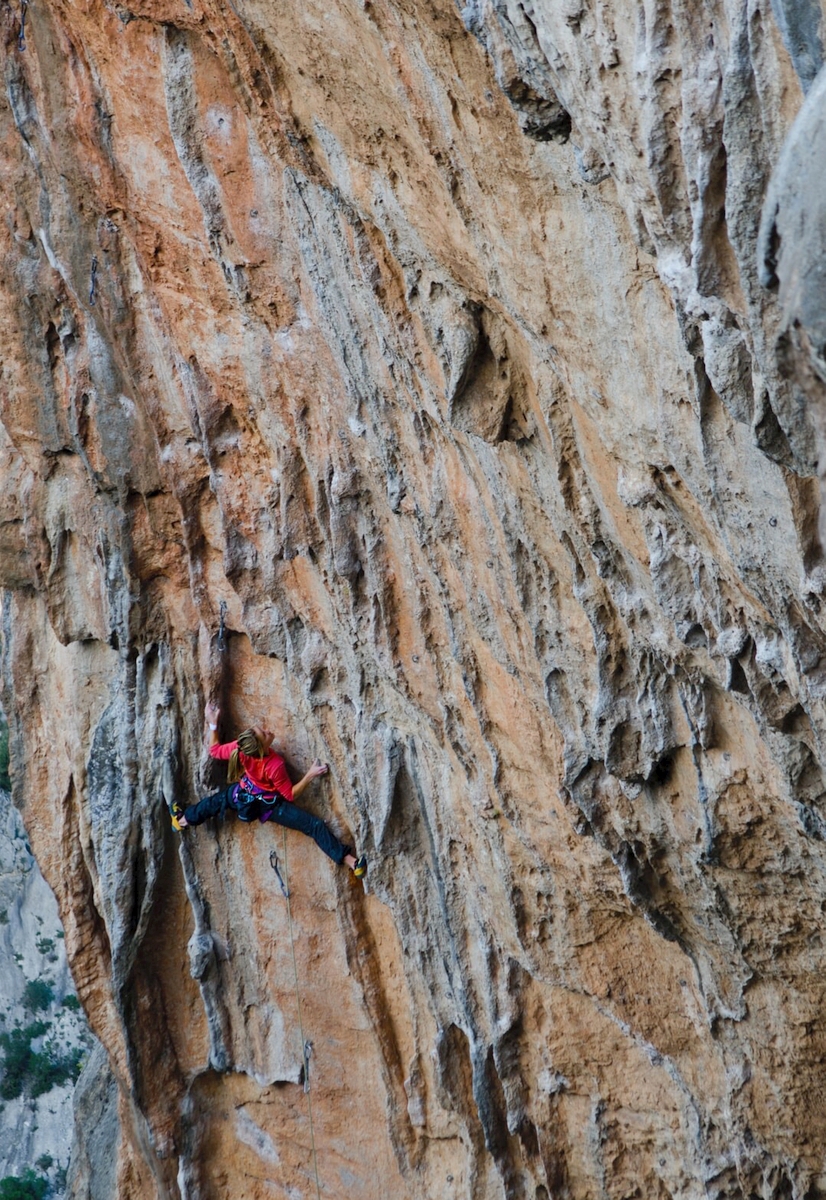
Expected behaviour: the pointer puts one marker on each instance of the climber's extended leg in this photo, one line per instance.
(208, 806)
(285, 813)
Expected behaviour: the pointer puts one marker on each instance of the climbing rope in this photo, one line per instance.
(306, 1047)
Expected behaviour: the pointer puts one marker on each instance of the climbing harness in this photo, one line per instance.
(93, 281)
(306, 1047)
(21, 37)
(222, 611)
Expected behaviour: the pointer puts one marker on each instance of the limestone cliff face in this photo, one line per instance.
(473, 361)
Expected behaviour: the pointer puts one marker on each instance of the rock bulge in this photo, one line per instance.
(473, 360)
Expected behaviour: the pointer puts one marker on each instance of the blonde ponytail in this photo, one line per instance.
(233, 768)
(248, 744)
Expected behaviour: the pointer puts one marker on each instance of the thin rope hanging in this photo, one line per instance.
(306, 1047)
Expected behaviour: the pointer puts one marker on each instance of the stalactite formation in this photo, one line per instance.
(466, 368)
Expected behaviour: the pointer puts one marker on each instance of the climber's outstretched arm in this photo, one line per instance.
(212, 713)
(318, 768)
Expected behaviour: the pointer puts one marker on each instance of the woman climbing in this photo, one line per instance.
(259, 786)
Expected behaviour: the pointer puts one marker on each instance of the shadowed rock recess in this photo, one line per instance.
(476, 360)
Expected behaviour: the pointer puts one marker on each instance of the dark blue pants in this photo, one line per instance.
(210, 806)
(282, 812)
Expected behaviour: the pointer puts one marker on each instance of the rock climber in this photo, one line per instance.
(258, 786)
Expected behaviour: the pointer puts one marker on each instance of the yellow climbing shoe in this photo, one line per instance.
(361, 866)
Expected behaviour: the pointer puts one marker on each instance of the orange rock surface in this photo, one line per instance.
(440, 346)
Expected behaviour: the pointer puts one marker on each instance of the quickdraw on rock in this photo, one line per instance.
(93, 282)
(222, 643)
(21, 37)
(274, 865)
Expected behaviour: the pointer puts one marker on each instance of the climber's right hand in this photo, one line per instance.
(212, 713)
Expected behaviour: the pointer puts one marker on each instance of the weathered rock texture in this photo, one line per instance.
(439, 346)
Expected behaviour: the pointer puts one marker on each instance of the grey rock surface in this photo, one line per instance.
(33, 1128)
(92, 1171)
(441, 352)
(792, 260)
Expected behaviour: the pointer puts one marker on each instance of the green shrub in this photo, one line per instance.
(17, 1065)
(34, 1071)
(27, 1186)
(45, 945)
(50, 1070)
(72, 1003)
(37, 995)
(44, 1162)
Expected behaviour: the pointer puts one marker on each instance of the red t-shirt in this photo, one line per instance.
(269, 772)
